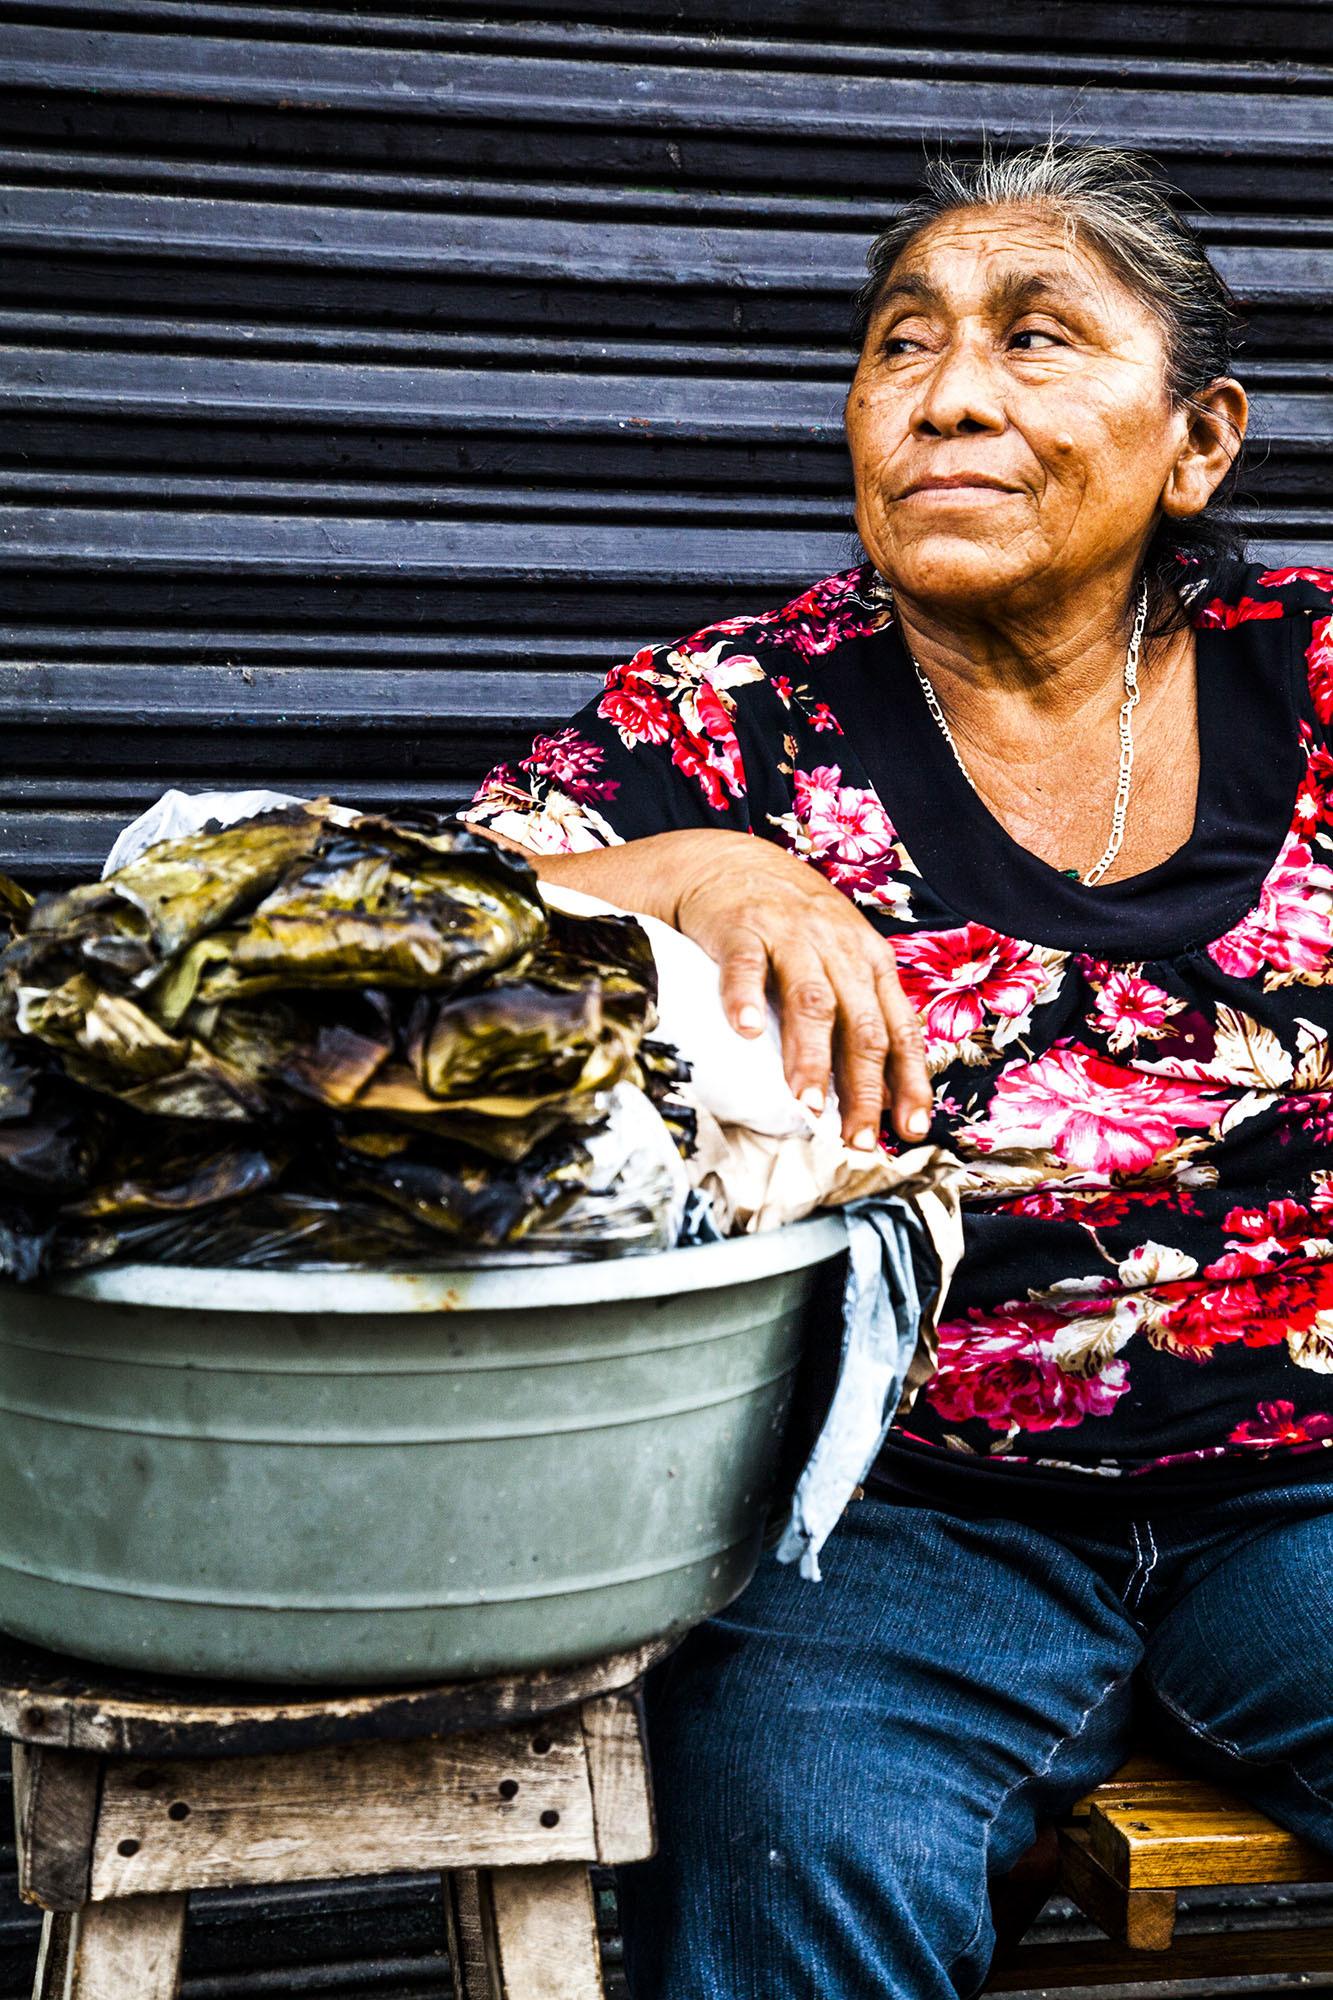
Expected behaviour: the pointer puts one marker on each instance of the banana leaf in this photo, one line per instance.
(124, 930)
(107, 1042)
(177, 1177)
(15, 908)
(370, 908)
(466, 1198)
(51, 1135)
(301, 1052)
(302, 1041)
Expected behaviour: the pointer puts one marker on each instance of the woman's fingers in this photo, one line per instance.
(861, 1054)
(744, 970)
(808, 1009)
(910, 1094)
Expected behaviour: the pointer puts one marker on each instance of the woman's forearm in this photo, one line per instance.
(650, 875)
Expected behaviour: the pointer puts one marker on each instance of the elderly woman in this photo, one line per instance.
(1033, 806)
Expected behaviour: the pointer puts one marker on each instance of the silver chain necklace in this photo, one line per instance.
(885, 593)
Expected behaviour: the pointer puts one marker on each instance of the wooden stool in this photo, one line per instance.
(130, 1792)
(1128, 1848)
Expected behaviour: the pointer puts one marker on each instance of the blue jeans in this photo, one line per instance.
(839, 1766)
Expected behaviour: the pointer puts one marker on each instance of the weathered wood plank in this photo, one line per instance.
(129, 1950)
(1196, 1835)
(53, 1700)
(618, 1769)
(1205, 1956)
(449, 1802)
(1142, 1919)
(55, 1810)
(1138, 1771)
(546, 1933)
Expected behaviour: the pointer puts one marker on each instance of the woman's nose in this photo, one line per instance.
(960, 393)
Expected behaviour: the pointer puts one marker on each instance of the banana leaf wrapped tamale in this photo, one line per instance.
(311, 1037)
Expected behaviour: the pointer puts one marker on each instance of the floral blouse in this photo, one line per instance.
(1137, 1076)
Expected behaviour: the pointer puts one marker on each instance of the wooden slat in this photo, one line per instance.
(129, 1950)
(55, 1810)
(1294, 1955)
(60, 1703)
(545, 1933)
(1138, 1771)
(448, 1802)
(1180, 1834)
(617, 1747)
(1142, 1919)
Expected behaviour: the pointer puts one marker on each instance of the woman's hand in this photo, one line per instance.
(766, 916)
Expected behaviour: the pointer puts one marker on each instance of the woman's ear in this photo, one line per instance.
(1216, 430)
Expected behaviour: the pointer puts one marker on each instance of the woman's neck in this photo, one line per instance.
(1032, 704)
(1051, 660)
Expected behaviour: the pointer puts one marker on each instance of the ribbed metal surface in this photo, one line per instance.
(371, 381)
(368, 382)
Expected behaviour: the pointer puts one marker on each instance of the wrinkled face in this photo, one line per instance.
(998, 353)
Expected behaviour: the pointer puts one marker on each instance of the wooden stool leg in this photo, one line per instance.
(546, 1928)
(126, 1950)
(524, 1933)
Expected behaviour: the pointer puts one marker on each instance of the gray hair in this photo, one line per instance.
(1128, 213)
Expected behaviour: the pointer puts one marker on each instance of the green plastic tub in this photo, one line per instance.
(363, 1476)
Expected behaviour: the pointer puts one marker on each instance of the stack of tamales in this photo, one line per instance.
(311, 1037)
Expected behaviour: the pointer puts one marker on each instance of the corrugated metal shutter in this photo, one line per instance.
(371, 381)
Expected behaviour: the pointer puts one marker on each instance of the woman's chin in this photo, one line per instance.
(963, 577)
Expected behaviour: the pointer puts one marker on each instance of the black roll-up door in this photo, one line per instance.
(372, 380)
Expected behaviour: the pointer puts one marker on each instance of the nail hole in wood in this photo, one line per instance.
(178, 1810)
(550, 1817)
(509, 1788)
(35, 1718)
(127, 1848)
(540, 1745)
(145, 1780)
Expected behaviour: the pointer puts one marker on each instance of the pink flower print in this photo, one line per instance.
(1283, 1225)
(1253, 1306)
(1275, 579)
(1091, 1113)
(1002, 1369)
(783, 687)
(824, 720)
(1218, 612)
(638, 713)
(569, 760)
(846, 833)
(1278, 1424)
(956, 979)
(821, 617)
(1290, 928)
(1095, 1208)
(843, 820)
(1129, 1007)
(1314, 801)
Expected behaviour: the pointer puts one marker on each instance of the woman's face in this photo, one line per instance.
(997, 351)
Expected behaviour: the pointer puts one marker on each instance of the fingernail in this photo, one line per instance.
(918, 1124)
(867, 1140)
(749, 1018)
(813, 1099)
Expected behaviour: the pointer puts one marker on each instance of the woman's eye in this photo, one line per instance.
(1037, 332)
